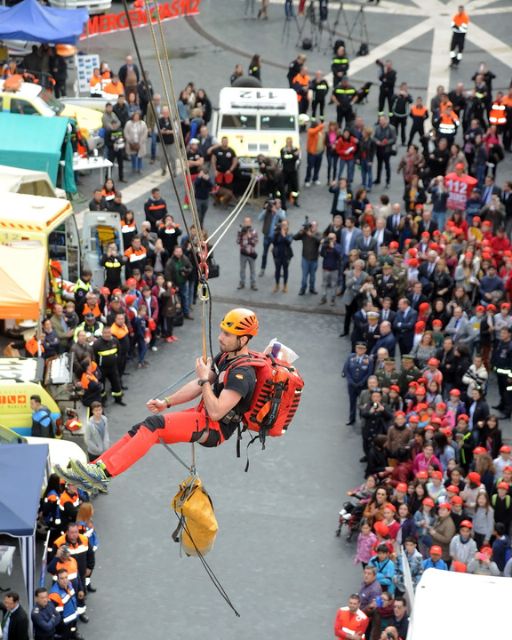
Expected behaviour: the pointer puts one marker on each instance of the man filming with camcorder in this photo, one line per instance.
(310, 238)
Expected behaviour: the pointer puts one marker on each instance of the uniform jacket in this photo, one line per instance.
(45, 620)
(347, 621)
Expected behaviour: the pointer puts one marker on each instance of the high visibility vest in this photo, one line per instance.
(460, 23)
(448, 125)
(498, 114)
(418, 112)
(119, 331)
(302, 80)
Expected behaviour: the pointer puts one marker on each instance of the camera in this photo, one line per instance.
(307, 224)
(244, 229)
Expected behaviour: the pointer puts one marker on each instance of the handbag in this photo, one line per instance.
(213, 269)
(134, 147)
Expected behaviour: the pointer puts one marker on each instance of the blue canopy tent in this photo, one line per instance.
(23, 470)
(32, 22)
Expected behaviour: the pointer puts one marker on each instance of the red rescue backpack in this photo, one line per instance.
(276, 395)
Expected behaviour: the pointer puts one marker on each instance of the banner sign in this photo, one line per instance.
(113, 22)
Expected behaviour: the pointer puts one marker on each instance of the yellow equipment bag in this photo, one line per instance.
(198, 526)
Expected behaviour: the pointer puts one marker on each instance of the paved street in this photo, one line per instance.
(276, 554)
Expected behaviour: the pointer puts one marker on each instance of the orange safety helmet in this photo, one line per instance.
(240, 322)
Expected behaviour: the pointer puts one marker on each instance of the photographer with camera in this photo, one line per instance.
(384, 137)
(390, 633)
(271, 215)
(311, 240)
(247, 238)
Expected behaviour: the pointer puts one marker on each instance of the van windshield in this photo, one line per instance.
(238, 121)
(278, 122)
(54, 104)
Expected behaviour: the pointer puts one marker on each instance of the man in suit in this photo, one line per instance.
(416, 297)
(427, 270)
(381, 235)
(403, 325)
(360, 324)
(349, 237)
(459, 327)
(387, 313)
(489, 190)
(394, 222)
(14, 619)
(506, 200)
(426, 223)
(366, 243)
(386, 341)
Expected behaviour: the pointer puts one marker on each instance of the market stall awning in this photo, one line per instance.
(23, 276)
(32, 142)
(30, 21)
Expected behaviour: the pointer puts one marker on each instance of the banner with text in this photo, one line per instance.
(113, 22)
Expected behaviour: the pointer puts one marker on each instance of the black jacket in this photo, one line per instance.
(45, 620)
(18, 623)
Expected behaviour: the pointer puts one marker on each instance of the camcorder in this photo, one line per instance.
(307, 225)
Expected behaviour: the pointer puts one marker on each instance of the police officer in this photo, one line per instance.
(356, 370)
(42, 426)
(320, 88)
(45, 618)
(91, 326)
(502, 363)
(290, 157)
(106, 353)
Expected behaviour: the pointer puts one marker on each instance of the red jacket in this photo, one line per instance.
(500, 245)
(345, 620)
(153, 311)
(346, 149)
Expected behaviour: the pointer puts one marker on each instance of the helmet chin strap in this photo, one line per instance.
(239, 347)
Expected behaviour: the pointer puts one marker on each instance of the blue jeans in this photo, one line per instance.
(332, 163)
(439, 219)
(350, 164)
(313, 166)
(136, 162)
(366, 174)
(183, 293)
(154, 138)
(308, 270)
(481, 172)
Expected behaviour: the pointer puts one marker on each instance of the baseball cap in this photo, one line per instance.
(455, 392)
(456, 500)
(453, 489)
(458, 566)
(445, 505)
(505, 449)
(433, 362)
(474, 477)
(402, 486)
(478, 451)
(435, 550)
(503, 485)
(436, 474)
(466, 523)
(428, 502)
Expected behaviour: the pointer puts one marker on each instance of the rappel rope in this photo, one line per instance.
(199, 245)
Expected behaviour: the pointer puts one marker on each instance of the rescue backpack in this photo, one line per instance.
(276, 396)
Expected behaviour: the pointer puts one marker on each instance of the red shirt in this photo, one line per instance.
(459, 190)
(347, 621)
(346, 149)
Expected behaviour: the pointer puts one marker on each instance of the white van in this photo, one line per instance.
(257, 121)
(450, 605)
(92, 6)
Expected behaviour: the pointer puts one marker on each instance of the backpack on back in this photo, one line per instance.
(276, 396)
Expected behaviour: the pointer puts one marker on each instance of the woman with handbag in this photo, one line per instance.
(136, 135)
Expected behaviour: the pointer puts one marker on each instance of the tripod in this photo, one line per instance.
(317, 24)
(289, 15)
(360, 20)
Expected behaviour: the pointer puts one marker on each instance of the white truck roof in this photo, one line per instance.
(451, 605)
(246, 99)
(21, 369)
